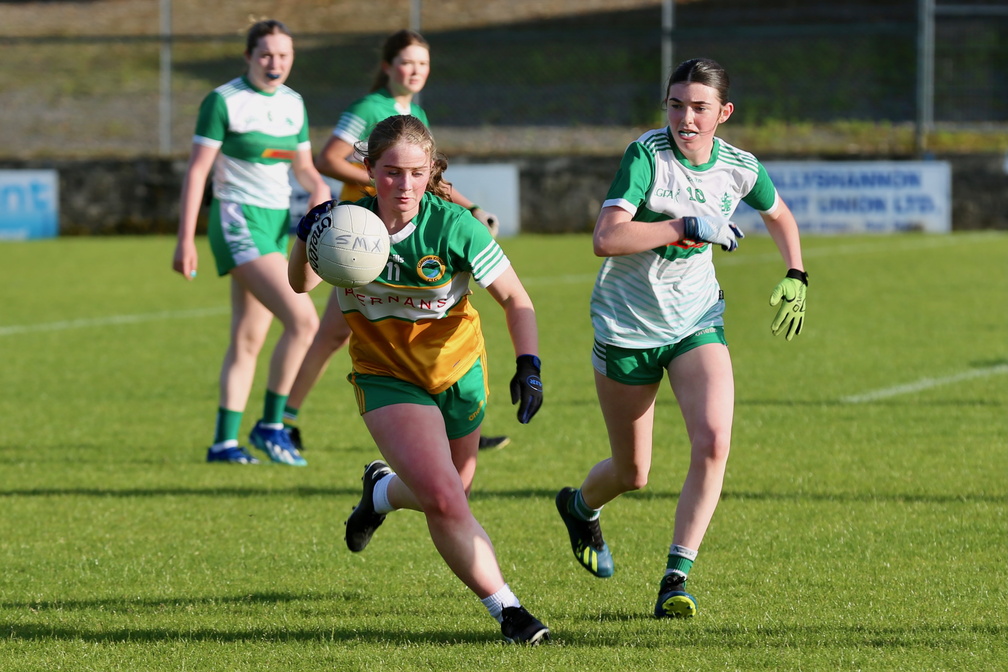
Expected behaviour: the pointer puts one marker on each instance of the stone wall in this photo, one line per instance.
(558, 195)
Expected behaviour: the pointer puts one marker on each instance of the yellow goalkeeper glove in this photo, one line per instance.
(790, 294)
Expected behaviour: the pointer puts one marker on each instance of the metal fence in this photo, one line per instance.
(790, 60)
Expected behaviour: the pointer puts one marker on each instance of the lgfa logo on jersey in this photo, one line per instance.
(431, 268)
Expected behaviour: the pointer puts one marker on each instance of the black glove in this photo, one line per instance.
(304, 227)
(526, 386)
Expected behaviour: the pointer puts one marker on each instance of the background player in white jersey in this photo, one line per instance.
(402, 74)
(656, 308)
(251, 132)
(419, 360)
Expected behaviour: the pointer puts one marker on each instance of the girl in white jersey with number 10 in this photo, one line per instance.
(251, 132)
(657, 309)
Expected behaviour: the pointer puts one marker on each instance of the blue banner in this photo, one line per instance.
(29, 204)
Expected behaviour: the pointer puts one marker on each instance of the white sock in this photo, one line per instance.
(682, 551)
(497, 602)
(380, 496)
(224, 445)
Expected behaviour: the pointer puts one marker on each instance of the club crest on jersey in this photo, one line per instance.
(727, 205)
(431, 268)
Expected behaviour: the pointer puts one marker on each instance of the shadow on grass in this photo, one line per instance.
(158, 603)
(348, 633)
(695, 634)
(237, 492)
(518, 494)
(344, 629)
(940, 637)
(97, 452)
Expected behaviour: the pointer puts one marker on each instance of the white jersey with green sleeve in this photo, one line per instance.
(660, 296)
(357, 122)
(258, 135)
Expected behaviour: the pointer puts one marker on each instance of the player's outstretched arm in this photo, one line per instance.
(617, 233)
(789, 294)
(526, 385)
(335, 161)
(299, 272)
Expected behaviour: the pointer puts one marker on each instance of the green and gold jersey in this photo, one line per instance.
(258, 134)
(660, 296)
(415, 321)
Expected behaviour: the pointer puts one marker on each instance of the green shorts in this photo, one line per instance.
(241, 233)
(462, 405)
(648, 366)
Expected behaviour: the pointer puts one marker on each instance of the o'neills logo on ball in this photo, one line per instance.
(431, 268)
(322, 222)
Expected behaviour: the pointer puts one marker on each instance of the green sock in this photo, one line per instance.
(680, 560)
(273, 408)
(228, 424)
(580, 509)
(290, 415)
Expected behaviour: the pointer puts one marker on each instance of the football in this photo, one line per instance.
(348, 246)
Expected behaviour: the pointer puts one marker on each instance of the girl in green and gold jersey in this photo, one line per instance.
(419, 361)
(402, 74)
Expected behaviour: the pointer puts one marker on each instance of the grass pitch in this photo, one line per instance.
(863, 525)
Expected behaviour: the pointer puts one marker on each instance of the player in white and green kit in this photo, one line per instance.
(657, 310)
(419, 360)
(251, 132)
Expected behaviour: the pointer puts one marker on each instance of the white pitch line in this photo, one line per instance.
(736, 259)
(110, 319)
(924, 384)
(65, 325)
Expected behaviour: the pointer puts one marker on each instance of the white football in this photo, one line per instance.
(348, 246)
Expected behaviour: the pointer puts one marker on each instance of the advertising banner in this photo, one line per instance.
(29, 204)
(860, 196)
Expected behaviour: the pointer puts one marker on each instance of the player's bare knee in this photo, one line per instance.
(304, 327)
(633, 479)
(712, 449)
(444, 505)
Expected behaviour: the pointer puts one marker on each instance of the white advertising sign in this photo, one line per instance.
(494, 187)
(860, 196)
